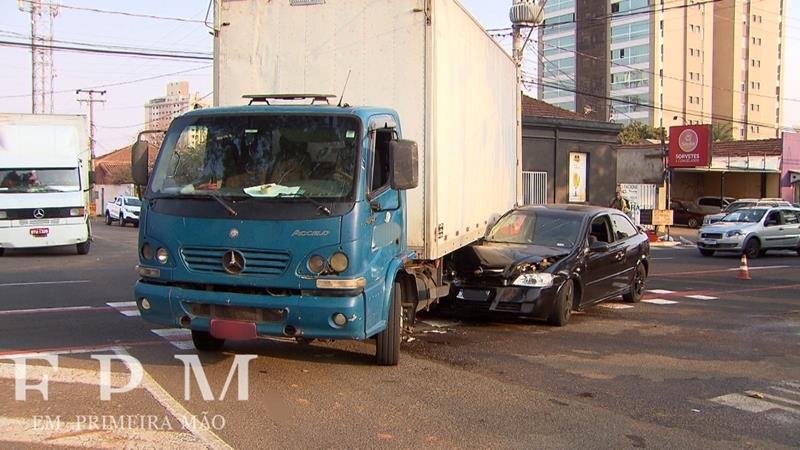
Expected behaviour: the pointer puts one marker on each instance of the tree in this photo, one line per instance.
(721, 132)
(639, 133)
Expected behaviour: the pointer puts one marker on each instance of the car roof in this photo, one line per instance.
(566, 209)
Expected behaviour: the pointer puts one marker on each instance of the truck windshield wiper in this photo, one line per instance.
(222, 202)
(319, 205)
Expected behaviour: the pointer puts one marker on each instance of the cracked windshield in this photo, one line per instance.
(260, 156)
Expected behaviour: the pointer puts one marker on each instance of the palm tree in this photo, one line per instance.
(721, 132)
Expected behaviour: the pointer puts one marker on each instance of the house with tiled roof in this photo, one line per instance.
(112, 175)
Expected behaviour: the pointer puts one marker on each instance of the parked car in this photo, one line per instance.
(752, 231)
(712, 204)
(686, 213)
(124, 209)
(545, 261)
(744, 203)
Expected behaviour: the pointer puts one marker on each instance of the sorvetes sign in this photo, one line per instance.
(690, 146)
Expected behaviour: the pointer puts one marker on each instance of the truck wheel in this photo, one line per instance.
(562, 308)
(83, 247)
(637, 286)
(108, 218)
(205, 342)
(121, 220)
(387, 342)
(705, 252)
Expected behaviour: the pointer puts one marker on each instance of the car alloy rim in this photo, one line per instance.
(567, 299)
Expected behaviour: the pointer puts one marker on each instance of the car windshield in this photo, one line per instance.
(133, 202)
(39, 180)
(735, 206)
(745, 215)
(537, 229)
(263, 156)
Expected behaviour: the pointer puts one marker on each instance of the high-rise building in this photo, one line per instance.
(159, 112)
(671, 63)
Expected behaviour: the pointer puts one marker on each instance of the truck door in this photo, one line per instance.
(384, 224)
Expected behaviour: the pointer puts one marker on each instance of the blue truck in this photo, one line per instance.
(298, 216)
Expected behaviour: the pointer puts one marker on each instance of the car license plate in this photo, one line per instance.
(475, 295)
(40, 232)
(710, 242)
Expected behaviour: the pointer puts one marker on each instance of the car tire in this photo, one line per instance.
(693, 223)
(83, 247)
(636, 291)
(705, 252)
(205, 342)
(752, 248)
(387, 342)
(562, 308)
(108, 218)
(121, 220)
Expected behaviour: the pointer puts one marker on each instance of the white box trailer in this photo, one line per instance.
(453, 86)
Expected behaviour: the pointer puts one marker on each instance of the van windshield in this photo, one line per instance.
(260, 156)
(39, 180)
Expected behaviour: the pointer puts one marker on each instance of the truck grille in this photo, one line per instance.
(711, 235)
(259, 263)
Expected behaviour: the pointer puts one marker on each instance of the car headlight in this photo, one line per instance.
(540, 280)
(162, 255)
(76, 212)
(734, 233)
(339, 262)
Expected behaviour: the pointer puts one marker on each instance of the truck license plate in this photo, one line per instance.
(40, 232)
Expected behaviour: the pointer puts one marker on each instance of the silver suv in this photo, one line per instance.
(752, 231)
(744, 203)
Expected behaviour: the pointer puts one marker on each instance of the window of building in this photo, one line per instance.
(615, 8)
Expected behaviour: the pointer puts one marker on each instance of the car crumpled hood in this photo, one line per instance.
(508, 257)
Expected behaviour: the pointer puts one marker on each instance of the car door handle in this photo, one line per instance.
(620, 256)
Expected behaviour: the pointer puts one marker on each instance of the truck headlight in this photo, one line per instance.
(734, 233)
(147, 251)
(317, 264)
(540, 280)
(162, 255)
(339, 262)
(76, 212)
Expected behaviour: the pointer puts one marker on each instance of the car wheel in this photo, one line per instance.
(637, 286)
(205, 342)
(705, 252)
(752, 248)
(387, 342)
(83, 247)
(121, 220)
(693, 223)
(108, 218)
(562, 308)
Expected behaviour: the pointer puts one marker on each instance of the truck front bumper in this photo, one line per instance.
(308, 316)
(12, 236)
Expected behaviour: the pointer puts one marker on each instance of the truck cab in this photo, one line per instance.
(286, 221)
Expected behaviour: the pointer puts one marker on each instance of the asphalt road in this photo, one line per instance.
(707, 361)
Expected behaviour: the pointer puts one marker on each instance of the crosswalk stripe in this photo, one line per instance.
(774, 397)
(131, 313)
(702, 297)
(121, 304)
(661, 291)
(173, 333)
(615, 306)
(785, 391)
(659, 301)
(750, 404)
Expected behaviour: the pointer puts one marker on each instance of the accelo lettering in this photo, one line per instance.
(310, 233)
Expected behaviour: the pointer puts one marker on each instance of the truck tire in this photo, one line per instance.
(121, 220)
(205, 342)
(387, 342)
(83, 247)
(2, 251)
(562, 308)
(108, 218)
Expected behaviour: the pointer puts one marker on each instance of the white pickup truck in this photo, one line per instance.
(123, 209)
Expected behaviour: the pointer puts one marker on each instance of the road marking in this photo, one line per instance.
(701, 297)
(734, 269)
(750, 404)
(773, 397)
(43, 283)
(785, 391)
(614, 306)
(120, 304)
(660, 301)
(180, 338)
(661, 291)
(177, 410)
(703, 272)
(56, 309)
(660, 259)
(63, 375)
(128, 309)
(33, 353)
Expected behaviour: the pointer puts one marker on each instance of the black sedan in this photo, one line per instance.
(545, 261)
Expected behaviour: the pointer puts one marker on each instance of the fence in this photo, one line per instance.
(534, 188)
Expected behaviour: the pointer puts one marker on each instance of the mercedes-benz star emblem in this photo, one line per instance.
(233, 234)
(38, 213)
(233, 262)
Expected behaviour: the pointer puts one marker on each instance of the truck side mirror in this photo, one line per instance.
(403, 165)
(139, 158)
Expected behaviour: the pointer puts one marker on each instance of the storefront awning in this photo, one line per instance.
(728, 170)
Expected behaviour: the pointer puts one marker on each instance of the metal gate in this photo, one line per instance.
(640, 196)
(534, 188)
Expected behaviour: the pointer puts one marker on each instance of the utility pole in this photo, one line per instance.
(91, 101)
(42, 72)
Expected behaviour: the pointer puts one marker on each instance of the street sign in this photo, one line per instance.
(662, 217)
(690, 146)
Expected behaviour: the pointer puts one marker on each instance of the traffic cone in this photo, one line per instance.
(744, 271)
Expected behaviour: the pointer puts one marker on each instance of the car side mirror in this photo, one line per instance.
(139, 158)
(403, 165)
(599, 247)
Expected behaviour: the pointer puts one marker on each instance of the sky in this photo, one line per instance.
(131, 81)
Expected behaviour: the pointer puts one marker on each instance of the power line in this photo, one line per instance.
(108, 51)
(120, 83)
(113, 46)
(121, 13)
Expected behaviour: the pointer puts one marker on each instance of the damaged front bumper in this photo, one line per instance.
(517, 300)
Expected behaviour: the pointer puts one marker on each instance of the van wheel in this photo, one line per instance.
(637, 286)
(108, 218)
(83, 247)
(387, 342)
(205, 342)
(562, 309)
